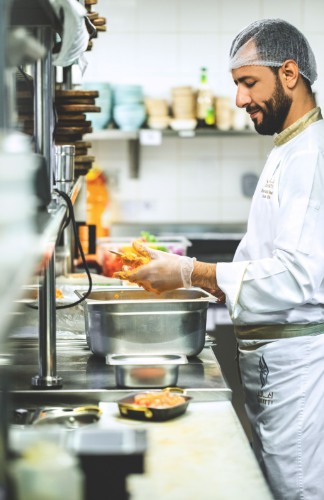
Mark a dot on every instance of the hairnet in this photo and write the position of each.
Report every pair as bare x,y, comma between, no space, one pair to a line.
270,42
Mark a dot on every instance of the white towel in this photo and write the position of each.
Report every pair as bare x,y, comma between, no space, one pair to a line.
75,35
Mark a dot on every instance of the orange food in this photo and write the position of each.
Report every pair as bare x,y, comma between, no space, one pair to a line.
116,296
130,262
58,294
164,399
133,260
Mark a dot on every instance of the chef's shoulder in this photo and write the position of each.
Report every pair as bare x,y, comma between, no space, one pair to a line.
303,163
307,146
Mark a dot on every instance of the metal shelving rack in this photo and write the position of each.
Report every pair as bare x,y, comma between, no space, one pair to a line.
40,19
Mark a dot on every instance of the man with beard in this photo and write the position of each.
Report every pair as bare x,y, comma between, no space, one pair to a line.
274,288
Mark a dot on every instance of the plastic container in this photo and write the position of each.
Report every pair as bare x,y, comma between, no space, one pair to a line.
111,263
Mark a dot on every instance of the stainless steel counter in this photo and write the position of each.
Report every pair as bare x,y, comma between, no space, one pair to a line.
88,380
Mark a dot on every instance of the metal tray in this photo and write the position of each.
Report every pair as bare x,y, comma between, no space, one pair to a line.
146,370
129,409
126,320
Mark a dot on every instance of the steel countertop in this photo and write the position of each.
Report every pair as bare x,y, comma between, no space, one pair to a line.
88,380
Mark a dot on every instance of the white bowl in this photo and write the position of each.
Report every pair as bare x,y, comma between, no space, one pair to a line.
159,123
183,124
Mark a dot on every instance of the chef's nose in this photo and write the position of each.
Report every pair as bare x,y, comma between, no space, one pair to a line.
242,97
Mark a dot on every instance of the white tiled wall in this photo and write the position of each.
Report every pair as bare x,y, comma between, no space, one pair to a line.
164,43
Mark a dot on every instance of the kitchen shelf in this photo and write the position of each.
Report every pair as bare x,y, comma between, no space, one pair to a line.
116,134
134,139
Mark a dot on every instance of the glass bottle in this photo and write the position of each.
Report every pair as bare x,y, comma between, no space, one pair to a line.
205,102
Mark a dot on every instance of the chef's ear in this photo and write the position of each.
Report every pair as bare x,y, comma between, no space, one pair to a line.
290,73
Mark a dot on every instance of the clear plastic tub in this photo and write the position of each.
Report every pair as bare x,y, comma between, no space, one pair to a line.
111,263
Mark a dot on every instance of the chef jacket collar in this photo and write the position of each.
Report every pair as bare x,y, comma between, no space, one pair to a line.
299,126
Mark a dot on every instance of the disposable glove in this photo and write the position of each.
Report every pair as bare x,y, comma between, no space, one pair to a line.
164,272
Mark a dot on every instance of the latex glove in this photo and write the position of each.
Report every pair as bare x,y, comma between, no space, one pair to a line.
164,272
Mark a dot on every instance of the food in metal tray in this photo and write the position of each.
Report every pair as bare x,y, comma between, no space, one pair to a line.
164,399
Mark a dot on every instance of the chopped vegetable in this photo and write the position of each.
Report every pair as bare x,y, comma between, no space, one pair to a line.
116,296
59,294
163,399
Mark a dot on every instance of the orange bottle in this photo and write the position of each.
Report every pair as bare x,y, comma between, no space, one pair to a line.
97,207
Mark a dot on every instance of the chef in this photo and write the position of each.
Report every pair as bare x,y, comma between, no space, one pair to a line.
274,288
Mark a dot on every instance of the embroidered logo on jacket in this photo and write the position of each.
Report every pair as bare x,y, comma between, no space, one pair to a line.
264,371
267,191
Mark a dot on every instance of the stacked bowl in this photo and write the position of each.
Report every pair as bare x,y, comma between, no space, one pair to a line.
183,107
100,120
158,113
129,110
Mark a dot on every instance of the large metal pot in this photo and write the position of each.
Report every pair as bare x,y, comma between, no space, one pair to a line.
126,320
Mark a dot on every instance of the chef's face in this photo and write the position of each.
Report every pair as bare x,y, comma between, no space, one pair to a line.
261,93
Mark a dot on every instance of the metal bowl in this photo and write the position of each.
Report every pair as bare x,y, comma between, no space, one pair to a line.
131,320
146,370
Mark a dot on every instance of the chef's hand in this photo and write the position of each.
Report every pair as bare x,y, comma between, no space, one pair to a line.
164,272
219,294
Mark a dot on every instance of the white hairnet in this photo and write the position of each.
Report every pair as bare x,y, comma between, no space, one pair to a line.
270,42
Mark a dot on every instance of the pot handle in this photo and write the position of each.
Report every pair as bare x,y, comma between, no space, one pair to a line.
124,410
78,294
175,389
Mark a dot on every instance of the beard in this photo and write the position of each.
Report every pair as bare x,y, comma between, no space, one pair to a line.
275,112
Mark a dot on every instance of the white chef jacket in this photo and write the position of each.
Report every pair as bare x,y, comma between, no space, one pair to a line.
277,275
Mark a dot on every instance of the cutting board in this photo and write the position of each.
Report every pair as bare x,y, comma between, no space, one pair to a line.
78,108
76,93
74,100
84,159
73,130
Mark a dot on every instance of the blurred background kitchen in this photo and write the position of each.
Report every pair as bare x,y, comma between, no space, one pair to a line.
162,66
161,45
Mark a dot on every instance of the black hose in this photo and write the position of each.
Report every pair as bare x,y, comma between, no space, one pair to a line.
78,243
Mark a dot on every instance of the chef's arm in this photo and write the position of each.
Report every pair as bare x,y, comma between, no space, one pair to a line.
204,275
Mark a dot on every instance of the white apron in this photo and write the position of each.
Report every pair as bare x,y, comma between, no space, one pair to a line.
284,393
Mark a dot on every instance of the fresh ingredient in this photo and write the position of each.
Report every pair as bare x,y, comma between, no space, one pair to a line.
59,294
147,237
111,264
131,262
116,296
134,260
164,399
150,238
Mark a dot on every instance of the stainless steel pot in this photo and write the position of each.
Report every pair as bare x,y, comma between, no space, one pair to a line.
126,320
146,370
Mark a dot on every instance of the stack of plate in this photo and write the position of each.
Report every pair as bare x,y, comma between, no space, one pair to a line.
183,107
129,110
158,112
